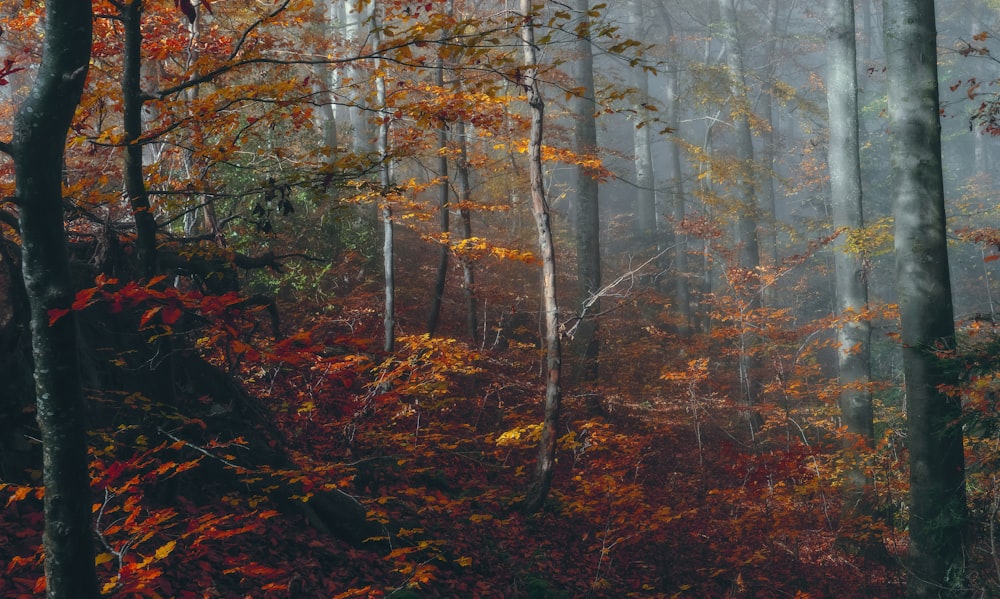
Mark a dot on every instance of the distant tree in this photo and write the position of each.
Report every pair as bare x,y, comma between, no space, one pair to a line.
588,223
674,175
937,510
642,154
746,208
37,147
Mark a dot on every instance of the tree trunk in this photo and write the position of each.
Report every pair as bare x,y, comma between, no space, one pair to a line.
766,175
444,191
746,208
674,176
588,219
385,179
938,510
464,199
132,102
544,468
38,143
854,335
645,210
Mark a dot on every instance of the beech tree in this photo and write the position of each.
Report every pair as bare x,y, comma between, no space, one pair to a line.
37,148
854,334
587,210
937,509
545,465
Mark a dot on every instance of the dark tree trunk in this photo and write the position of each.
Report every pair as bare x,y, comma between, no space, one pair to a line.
444,190
938,510
132,101
37,147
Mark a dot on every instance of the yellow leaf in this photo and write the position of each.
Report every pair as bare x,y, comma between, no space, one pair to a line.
465,562
164,551
103,558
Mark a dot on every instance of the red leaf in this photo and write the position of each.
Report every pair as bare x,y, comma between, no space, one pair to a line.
84,298
991,258
170,314
55,314
147,315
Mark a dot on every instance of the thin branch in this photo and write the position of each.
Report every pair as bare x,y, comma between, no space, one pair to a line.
606,292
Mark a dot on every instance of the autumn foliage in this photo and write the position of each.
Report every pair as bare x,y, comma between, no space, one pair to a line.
290,456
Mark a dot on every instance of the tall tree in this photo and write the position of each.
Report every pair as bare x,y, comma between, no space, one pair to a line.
854,335
385,181
746,208
642,156
938,510
674,175
464,192
37,147
132,103
545,466
444,208
588,223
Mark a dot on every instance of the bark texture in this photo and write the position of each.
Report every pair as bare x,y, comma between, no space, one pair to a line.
545,466
37,147
854,336
938,511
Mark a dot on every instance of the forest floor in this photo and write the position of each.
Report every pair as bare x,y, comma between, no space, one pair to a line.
657,493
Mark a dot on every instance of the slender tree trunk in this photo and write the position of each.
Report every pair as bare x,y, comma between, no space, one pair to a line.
385,179
37,147
854,335
444,193
544,468
354,21
938,510
645,210
747,210
132,102
766,172
465,198
588,218
675,181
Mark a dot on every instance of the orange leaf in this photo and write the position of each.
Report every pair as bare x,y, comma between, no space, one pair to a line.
147,315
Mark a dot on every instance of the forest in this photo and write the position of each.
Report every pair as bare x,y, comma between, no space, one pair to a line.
460,298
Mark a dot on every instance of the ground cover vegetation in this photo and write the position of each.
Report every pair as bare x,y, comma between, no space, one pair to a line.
322,298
